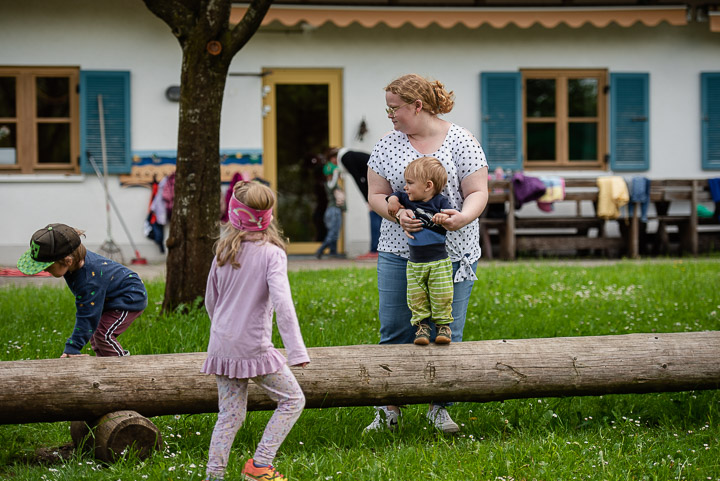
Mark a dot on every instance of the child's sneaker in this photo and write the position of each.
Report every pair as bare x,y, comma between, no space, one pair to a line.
266,473
422,335
444,334
439,417
390,420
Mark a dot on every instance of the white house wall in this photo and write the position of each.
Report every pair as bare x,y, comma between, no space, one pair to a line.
124,35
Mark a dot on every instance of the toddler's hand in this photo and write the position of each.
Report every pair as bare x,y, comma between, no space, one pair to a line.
303,364
439,218
393,206
65,354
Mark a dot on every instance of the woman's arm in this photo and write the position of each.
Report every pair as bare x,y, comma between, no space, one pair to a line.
378,190
475,190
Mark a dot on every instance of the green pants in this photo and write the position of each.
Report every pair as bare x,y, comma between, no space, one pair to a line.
430,291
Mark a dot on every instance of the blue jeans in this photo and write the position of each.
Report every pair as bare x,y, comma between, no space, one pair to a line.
394,313
375,221
333,222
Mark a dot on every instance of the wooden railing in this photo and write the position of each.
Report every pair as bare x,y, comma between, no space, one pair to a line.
576,226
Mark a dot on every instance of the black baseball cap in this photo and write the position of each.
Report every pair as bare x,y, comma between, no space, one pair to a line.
48,245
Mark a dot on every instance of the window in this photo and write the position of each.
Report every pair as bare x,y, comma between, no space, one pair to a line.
39,120
564,118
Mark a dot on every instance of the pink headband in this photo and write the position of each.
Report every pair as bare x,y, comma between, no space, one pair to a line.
246,218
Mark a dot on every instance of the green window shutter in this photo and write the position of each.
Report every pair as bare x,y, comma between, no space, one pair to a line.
114,87
629,114
501,122
710,100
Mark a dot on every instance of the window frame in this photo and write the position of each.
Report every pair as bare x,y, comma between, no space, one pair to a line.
562,120
26,120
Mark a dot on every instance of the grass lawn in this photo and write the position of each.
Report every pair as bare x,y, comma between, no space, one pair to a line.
662,436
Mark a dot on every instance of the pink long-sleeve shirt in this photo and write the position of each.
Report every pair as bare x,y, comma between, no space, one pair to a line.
240,303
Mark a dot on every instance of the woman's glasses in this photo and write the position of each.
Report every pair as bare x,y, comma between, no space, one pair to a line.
391,110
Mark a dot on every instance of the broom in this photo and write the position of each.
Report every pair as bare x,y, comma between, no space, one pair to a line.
109,249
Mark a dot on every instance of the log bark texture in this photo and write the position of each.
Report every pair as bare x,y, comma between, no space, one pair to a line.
85,388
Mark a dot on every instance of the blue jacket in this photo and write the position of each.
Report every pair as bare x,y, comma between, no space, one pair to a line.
428,244
101,285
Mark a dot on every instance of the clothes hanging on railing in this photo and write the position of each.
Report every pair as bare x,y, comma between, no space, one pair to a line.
153,227
639,187
554,191
526,188
612,194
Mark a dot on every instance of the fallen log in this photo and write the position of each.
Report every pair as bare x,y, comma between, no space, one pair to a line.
86,388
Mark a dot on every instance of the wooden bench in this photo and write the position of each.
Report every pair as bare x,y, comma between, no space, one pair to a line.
665,194
547,232
674,214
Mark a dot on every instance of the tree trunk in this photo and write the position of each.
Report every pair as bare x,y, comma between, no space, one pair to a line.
196,211
208,43
84,388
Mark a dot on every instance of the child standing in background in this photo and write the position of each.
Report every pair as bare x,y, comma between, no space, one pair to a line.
335,208
429,270
247,281
108,295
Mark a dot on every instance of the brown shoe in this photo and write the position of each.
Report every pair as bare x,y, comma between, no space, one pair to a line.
422,335
444,334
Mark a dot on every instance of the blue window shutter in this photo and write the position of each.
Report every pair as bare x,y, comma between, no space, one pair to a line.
710,99
501,110
629,121
114,86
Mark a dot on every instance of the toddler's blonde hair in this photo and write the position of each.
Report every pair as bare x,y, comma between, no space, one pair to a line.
428,168
229,245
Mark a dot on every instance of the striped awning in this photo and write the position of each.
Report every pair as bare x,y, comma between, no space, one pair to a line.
499,17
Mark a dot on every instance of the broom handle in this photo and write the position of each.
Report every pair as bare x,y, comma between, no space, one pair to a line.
110,200
101,116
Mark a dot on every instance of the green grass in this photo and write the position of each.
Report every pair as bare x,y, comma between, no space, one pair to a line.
662,436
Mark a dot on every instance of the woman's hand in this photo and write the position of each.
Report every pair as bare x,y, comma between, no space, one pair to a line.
454,220
65,354
408,222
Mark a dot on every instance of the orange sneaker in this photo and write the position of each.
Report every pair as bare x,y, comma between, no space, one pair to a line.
267,473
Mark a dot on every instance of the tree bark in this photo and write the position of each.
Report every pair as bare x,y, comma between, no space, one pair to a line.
83,388
208,43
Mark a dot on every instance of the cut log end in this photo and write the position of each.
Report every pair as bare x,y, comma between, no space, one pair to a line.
116,433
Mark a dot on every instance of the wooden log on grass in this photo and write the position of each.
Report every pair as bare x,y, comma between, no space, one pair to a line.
110,436
85,388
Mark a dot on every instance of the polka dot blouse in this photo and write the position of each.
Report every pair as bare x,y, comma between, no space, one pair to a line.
462,155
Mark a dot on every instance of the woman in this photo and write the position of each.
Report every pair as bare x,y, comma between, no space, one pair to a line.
413,105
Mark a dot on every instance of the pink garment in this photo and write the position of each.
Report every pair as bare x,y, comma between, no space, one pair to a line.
168,194
240,303
244,217
237,177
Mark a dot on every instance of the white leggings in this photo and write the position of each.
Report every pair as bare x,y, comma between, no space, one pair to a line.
282,387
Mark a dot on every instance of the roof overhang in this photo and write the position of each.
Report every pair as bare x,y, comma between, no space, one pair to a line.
497,17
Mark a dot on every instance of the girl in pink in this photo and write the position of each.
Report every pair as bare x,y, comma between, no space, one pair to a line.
247,281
